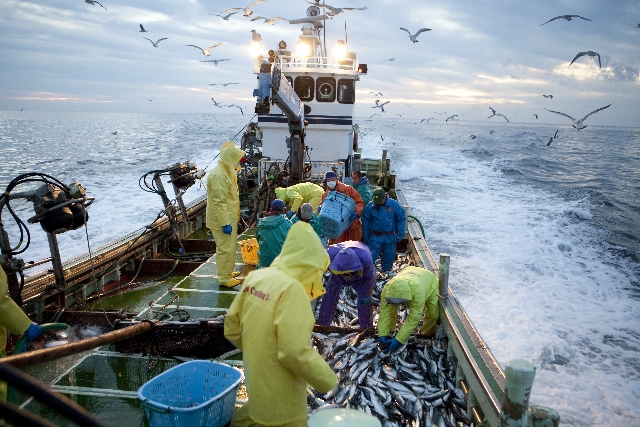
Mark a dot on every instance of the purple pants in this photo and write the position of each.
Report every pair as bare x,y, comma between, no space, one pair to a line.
363,288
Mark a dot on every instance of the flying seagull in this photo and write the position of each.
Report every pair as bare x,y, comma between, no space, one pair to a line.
536,116
222,84
215,61
578,123
150,99
390,60
93,3
216,103
142,30
374,114
497,114
226,17
567,17
247,10
548,96
255,36
472,136
156,43
333,11
430,118
399,115
414,37
380,106
271,21
237,106
638,26
591,53
444,112
555,136
205,52
377,93
451,118
115,133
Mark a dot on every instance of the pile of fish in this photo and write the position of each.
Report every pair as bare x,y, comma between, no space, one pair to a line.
414,386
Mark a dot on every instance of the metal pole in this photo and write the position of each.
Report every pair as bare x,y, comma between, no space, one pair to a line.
444,275
519,376
58,270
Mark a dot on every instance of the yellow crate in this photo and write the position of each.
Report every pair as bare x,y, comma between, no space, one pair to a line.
249,250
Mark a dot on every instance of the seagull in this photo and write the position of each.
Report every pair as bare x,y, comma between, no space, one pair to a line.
496,114
93,3
222,84
390,60
567,17
382,137
451,118
255,36
638,26
216,103
399,115
150,99
142,30
591,53
414,37
380,106
578,123
226,17
215,61
247,10
444,112
271,21
536,116
205,52
237,106
377,93
22,109
115,133
548,96
430,118
156,43
472,136
333,11
552,138
374,114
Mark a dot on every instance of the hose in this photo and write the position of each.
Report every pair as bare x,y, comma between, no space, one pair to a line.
419,223
21,344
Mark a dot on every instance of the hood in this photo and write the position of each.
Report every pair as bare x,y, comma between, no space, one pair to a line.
345,261
398,287
230,155
303,258
281,193
363,181
271,221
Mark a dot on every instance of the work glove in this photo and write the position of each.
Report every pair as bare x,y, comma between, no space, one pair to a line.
384,342
353,216
227,229
393,345
33,331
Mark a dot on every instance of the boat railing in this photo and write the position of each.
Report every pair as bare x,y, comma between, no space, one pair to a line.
316,62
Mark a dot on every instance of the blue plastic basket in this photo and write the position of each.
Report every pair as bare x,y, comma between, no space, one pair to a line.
335,213
196,393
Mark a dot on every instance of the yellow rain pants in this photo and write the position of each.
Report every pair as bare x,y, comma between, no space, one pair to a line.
271,321
296,195
223,205
420,287
12,318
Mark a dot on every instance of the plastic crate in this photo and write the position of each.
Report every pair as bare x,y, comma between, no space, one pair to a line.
335,213
196,393
249,249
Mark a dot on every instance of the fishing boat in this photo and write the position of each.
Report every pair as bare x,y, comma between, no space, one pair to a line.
150,300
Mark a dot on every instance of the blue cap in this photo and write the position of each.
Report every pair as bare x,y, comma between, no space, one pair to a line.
329,174
277,204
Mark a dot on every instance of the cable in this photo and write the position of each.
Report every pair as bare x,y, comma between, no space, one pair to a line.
419,223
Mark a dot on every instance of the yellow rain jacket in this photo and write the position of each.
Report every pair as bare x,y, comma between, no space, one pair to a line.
12,318
296,195
420,287
271,321
223,205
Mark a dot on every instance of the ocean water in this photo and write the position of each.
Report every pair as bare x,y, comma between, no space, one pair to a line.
544,241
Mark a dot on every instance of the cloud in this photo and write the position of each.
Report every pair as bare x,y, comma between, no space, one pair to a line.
621,73
49,96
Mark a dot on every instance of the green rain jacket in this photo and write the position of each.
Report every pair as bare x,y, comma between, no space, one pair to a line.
223,200
296,195
420,287
12,317
271,321
271,233
363,190
315,223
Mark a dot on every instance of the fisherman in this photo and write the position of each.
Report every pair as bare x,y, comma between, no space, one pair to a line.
351,265
296,195
383,223
13,319
418,289
271,321
271,231
223,207
305,213
354,232
361,184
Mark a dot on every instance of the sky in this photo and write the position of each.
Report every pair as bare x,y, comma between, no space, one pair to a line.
71,56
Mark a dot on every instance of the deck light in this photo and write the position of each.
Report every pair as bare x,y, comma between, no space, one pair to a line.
303,49
256,49
341,49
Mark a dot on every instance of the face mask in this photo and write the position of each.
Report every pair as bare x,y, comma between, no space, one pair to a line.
332,184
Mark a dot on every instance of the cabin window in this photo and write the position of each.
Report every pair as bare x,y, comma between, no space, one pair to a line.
289,79
346,91
304,87
326,89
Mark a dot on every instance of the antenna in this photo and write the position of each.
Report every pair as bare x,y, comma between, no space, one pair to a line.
346,36
324,35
